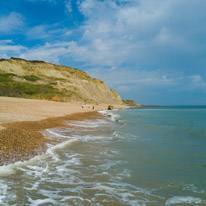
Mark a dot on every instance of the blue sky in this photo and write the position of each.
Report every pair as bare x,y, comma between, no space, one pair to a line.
152,51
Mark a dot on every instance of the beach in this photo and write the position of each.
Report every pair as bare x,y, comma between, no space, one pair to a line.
22,122
137,156
19,109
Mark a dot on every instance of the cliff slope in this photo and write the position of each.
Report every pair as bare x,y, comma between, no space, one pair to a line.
41,80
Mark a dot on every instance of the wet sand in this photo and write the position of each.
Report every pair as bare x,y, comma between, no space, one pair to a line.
23,120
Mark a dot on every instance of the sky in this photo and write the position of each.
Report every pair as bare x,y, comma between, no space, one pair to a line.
151,51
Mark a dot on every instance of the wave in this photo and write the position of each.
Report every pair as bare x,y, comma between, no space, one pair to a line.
89,168
52,132
87,124
184,199
113,117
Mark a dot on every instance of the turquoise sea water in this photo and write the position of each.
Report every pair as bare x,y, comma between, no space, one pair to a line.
139,156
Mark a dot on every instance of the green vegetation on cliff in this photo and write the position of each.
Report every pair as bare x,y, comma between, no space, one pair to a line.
10,87
128,102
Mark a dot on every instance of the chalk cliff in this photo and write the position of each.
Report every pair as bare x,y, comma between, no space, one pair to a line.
38,79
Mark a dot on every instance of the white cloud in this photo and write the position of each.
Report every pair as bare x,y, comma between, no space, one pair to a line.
6,41
113,33
11,48
125,80
68,6
38,32
49,52
196,78
124,88
8,49
48,32
98,52
116,32
12,22
68,33
198,82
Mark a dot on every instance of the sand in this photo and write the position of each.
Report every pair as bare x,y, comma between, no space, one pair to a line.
18,109
22,122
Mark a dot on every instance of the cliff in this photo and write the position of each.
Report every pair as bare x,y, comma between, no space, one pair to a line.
41,80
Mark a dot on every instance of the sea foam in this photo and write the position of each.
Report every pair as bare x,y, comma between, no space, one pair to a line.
182,199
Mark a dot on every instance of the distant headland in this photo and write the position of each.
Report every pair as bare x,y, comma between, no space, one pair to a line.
131,103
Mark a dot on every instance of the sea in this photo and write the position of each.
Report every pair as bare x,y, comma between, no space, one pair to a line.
148,156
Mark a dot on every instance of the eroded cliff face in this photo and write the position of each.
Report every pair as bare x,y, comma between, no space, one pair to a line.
68,84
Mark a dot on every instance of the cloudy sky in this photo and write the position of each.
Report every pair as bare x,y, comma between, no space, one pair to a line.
152,51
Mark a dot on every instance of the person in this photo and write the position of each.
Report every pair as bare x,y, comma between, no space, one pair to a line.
93,107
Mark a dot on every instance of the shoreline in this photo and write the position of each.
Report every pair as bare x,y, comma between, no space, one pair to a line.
18,109
22,122
21,141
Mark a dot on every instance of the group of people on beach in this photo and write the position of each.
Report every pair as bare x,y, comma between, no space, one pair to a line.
89,106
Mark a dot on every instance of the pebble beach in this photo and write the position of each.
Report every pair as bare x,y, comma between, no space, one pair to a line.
22,122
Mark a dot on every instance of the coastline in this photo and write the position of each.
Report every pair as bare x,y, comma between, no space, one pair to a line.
22,122
19,109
